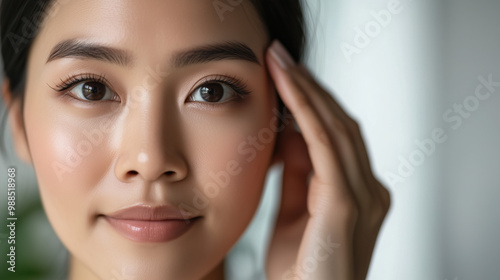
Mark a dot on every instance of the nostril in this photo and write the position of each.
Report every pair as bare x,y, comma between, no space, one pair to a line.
169,173
133,172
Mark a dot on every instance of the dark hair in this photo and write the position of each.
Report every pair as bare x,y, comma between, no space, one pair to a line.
20,22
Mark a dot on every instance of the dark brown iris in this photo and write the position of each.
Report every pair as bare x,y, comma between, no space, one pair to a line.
93,90
212,92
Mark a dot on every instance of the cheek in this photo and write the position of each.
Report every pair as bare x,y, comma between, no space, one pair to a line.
69,157
230,161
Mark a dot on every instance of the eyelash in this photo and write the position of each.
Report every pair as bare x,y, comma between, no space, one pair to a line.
72,81
239,87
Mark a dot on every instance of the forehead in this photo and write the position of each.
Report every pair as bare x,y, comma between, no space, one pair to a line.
152,28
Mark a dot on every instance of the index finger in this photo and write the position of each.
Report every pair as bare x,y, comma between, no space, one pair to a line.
321,148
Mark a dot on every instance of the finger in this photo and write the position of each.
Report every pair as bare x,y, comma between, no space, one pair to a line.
372,197
344,130
369,194
326,165
356,137
327,102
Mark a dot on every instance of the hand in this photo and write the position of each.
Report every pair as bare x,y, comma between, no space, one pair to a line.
332,205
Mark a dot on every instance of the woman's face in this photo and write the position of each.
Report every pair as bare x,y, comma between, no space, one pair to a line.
175,111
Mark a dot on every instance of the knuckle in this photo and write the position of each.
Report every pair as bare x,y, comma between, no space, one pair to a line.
355,126
378,214
373,218
323,137
374,210
338,125
386,195
343,208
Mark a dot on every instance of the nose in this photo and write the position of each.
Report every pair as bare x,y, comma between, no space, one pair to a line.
151,145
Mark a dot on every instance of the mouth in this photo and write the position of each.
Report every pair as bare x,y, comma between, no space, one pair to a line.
151,224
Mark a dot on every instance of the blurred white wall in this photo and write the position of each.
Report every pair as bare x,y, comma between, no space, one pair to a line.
381,60
469,218
413,69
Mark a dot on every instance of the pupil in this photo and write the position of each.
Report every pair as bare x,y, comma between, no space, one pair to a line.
94,90
212,92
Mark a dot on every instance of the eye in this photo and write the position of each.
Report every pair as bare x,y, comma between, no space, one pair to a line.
92,91
213,92
86,87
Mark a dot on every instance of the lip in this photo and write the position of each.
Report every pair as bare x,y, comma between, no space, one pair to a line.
151,224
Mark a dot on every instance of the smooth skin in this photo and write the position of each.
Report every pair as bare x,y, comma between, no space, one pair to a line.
157,146
341,204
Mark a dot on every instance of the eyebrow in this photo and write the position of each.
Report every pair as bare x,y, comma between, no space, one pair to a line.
215,52
86,50
203,54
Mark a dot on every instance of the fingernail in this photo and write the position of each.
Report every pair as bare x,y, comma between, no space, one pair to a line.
281,55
